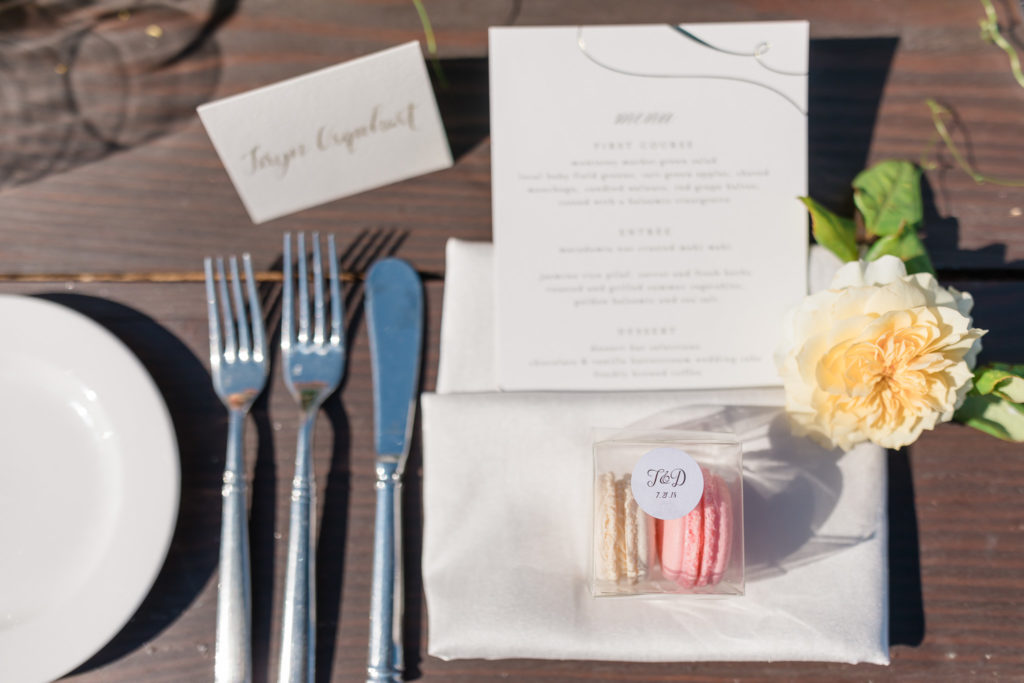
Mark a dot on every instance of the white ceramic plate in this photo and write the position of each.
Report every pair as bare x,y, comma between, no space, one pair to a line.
89,487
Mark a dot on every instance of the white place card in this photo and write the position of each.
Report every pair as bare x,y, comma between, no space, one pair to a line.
646,226
329,134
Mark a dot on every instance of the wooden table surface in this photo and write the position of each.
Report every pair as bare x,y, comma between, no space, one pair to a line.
123,180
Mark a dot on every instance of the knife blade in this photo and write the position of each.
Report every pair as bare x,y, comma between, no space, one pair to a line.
394,313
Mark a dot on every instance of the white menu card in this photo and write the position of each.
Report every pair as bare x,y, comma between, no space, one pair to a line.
646,226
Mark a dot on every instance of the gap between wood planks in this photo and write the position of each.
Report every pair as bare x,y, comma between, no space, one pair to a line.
183,276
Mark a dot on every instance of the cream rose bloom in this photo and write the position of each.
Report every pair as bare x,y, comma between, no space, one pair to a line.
879,356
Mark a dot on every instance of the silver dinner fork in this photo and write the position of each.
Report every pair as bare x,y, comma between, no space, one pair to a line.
239,364
313,361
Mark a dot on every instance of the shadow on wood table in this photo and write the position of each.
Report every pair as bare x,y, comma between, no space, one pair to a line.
906,607
845,84
942,236
79,85
462,94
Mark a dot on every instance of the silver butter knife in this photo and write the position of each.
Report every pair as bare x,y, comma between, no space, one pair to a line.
394,313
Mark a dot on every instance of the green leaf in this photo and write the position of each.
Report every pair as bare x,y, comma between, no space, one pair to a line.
832,231
1001,380
993,415
888,245
906,245
888,196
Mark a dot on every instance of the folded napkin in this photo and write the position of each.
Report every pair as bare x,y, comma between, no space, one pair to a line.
507,503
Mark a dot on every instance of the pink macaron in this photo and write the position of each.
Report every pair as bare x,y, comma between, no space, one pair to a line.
695,549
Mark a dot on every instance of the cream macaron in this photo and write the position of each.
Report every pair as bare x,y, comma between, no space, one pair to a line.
624,534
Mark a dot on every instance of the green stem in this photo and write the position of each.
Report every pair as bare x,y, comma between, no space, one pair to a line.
428,32
938,112
991,33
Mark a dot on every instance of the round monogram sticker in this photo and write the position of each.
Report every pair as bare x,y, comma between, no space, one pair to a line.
667,483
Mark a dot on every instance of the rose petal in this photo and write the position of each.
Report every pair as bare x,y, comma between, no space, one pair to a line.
884,270
850,275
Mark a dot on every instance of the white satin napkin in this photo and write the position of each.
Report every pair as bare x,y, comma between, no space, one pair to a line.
507,503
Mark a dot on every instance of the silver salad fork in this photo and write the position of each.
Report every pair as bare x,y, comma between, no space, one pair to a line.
313,363
239,365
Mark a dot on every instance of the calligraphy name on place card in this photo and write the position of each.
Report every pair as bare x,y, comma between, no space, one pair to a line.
329,138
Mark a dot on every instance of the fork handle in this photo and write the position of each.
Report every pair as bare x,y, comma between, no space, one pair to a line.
386,597
233,659
298,639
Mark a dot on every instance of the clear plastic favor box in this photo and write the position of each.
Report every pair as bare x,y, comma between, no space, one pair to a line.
668,513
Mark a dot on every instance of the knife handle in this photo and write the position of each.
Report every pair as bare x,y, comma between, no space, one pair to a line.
385,658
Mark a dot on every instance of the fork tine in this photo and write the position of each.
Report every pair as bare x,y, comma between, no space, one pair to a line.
230,346
212,313
244,348
318,292
336,301
303,290
287,295
259,345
